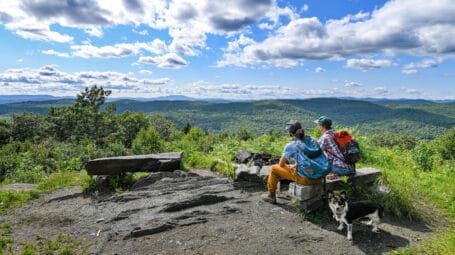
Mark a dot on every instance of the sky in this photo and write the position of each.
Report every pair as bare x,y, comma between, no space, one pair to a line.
237,49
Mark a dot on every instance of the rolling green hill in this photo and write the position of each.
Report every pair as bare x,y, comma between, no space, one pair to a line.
425,120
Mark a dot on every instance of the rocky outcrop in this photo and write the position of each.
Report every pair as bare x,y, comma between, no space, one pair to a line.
253,167
183,213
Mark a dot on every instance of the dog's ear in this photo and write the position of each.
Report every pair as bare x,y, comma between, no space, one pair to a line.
329,194
343,194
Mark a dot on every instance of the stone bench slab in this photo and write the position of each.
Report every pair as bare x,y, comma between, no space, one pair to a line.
307,192
162,162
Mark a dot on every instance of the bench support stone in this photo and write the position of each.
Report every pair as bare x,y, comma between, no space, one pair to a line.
310,194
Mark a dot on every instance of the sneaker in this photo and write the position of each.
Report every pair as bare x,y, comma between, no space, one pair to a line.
268,197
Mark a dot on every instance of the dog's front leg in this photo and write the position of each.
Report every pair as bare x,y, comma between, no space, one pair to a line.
340,227
349,232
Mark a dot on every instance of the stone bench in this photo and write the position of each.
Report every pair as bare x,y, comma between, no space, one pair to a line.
161,162
310,195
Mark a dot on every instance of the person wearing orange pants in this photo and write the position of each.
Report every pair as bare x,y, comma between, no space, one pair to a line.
278,173
285,171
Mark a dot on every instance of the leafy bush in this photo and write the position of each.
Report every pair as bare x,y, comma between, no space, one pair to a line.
147,141
129,124
445,145
423,156
390,140
244,134
163,126
5,131
28,126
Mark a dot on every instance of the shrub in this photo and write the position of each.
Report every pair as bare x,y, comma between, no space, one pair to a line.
244,134
163,126
129,124
147,141
28,126
400,140
5,131
423,156
445,145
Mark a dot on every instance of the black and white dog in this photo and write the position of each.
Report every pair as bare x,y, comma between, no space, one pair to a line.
345,212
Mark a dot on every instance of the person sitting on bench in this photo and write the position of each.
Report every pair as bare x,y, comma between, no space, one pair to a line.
332,151
284,170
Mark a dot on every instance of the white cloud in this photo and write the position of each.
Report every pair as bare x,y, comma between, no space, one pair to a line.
156,46
426,63
19,60
49,79
319,69
55,53
351,84
400,26
305,7
412,67
39,32
409,71
145,72
381,91
365,64
169,60
411,91
94,31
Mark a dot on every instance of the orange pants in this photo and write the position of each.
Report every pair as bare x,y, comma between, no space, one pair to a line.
278,173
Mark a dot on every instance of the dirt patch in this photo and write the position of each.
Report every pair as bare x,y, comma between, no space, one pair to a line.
182,213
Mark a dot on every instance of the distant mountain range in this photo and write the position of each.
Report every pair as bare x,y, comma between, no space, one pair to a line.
4,99
422,118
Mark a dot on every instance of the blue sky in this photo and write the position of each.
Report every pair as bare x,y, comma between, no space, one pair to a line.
247,49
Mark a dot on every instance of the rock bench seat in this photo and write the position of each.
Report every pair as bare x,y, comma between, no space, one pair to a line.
310,195
160,162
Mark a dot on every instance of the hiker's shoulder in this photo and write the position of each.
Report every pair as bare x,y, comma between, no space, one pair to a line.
293,142
326,134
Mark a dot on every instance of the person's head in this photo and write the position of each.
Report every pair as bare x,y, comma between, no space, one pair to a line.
295,130
324,123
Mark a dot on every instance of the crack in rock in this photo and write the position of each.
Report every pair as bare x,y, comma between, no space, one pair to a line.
150,231
127,213
198,201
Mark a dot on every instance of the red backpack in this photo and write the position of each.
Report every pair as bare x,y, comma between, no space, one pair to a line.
348,146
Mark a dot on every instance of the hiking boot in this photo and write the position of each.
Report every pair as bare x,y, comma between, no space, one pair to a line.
269,197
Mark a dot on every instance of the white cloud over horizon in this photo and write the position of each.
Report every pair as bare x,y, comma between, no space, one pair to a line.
50,80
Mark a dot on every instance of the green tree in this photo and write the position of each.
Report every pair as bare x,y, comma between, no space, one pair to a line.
28,126
445,145
244,134
5,131
187,127
163,126
400,140
423,156
84,119
147,141
129,124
